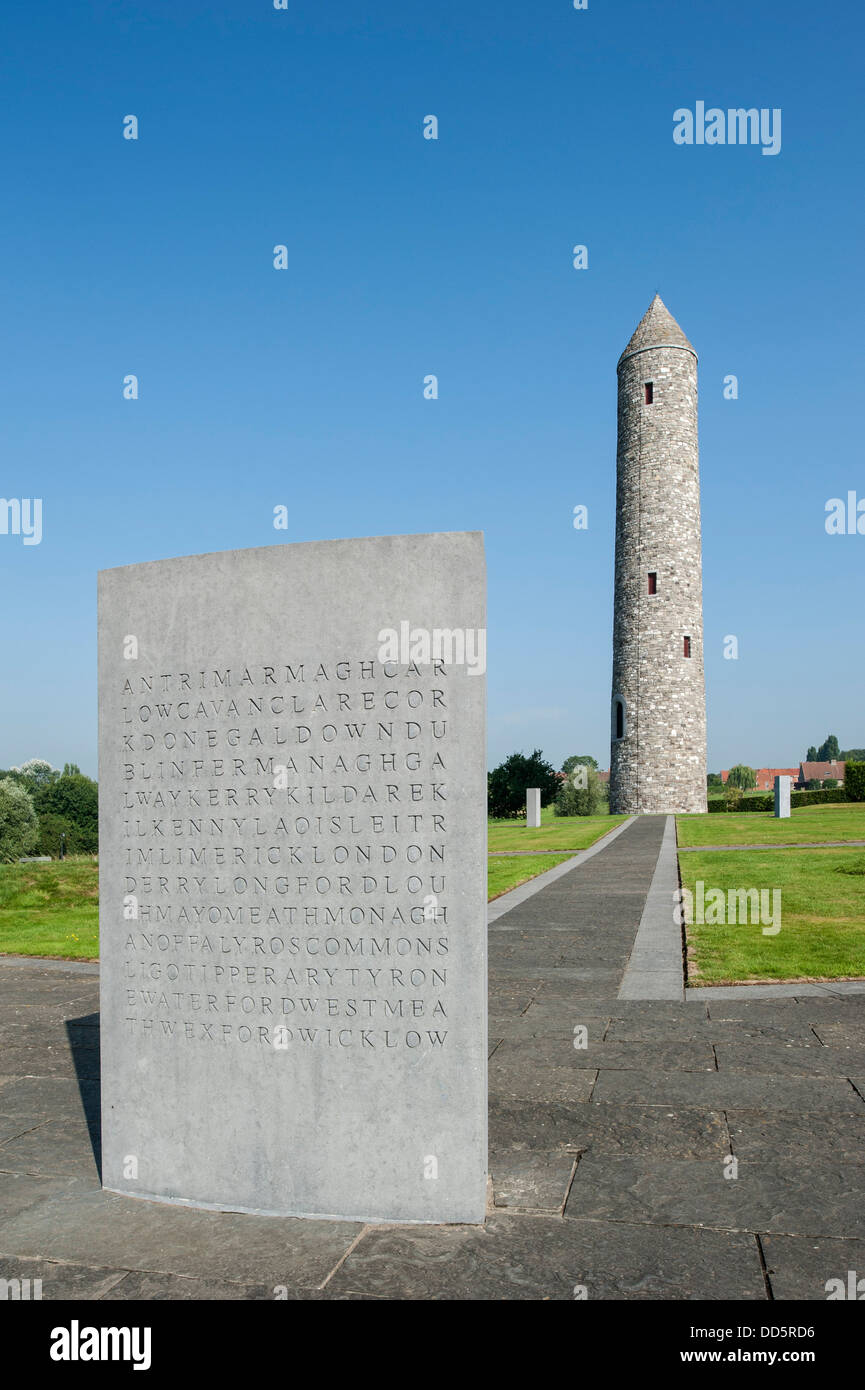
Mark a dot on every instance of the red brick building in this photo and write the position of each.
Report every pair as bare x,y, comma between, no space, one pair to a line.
766,776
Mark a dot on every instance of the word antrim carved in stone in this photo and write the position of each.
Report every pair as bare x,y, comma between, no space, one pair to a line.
287,1021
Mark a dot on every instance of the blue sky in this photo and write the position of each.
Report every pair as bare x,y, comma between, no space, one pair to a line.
408,257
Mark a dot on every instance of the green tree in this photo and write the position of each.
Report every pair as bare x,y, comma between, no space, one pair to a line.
828,750
70,807
830,782
36,773
733,796
811,755
570,763
714,779
573,799
507,784
56,832
742,776
19,826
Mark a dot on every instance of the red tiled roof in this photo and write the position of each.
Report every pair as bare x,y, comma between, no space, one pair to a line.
818,772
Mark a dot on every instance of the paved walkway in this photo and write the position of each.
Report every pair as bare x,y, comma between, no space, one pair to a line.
611,1169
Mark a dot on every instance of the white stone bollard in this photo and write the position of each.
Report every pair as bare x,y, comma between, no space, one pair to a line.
782,797
533,808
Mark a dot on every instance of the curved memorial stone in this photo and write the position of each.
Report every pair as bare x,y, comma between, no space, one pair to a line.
293,879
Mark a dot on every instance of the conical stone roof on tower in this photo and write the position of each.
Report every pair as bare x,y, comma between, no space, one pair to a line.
657,328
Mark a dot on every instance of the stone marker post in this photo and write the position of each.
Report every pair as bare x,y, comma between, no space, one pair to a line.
293,879
533,807
782,796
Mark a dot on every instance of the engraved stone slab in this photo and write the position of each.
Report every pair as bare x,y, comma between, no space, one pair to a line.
293,879
533,807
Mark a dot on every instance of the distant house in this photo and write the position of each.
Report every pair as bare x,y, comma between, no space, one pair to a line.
820,772
604,774
766,776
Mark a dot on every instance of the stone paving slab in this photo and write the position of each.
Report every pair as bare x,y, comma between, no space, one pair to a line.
511,1078
652,1132
838,1034
790,1059
606,1056
655,966
14,1126
770,1013
782,1134
783,1196
81,1224
547,1127
656,983
801,989
692,1029
515,1257
49,1096
23,1030
714,1090
144,1285
606,1129
22,1192
526,1180
799,1267
539,1022
51,1060
62,1281
69,1282
51,1147
47,966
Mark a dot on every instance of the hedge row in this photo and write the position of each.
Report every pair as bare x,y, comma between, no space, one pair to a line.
820,795
854,781
852,791
748,803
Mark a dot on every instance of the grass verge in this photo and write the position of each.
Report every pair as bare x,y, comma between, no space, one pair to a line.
50,909
505,874
822,918
829,822
556,832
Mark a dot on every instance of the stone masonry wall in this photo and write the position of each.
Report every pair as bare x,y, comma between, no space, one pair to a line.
660,763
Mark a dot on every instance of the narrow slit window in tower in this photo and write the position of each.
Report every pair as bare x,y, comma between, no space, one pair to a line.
687,646
620,719
653,582
650,392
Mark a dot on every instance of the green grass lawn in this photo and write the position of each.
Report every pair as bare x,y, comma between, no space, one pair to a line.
556,832
834,821
50,909
505,874
822,934
53,909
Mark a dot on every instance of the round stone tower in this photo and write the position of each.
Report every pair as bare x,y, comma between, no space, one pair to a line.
658,734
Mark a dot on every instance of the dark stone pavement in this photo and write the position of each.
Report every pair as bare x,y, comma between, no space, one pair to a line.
610,1163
